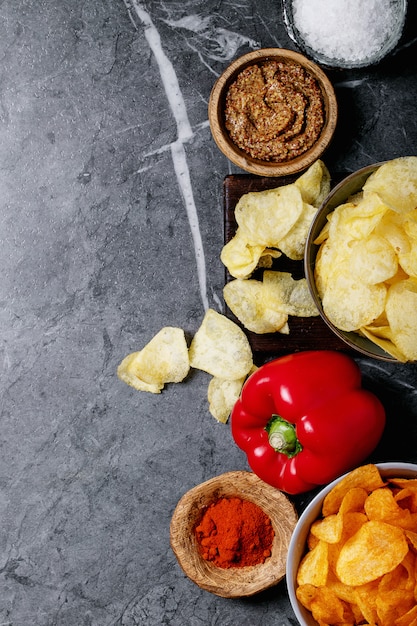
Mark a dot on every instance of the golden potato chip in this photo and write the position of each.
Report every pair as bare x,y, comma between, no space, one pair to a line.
366,596
356,219
222,395
408,619
314,183
294,242
381,336
362,303
328,529
408,257
381,505
395,594
290,295
163,360
252,304
327,608
373,260
376,549
242,258
267,216
391,227
396,183
365,477
401,311
220,348
314,566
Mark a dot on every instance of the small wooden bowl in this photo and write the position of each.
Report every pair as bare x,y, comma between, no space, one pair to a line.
233,582
216,114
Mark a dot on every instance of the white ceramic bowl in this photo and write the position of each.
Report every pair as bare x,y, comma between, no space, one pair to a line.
297,547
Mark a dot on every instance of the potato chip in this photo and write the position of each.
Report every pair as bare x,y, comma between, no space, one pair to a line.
376,549
362,303
408,619
314,183
373,260
365,477
222,395
395,594
327,608
396,183
290,295
314,566
242,258
382,338
294,242
253,305
163,360
401,311
381,505
220,348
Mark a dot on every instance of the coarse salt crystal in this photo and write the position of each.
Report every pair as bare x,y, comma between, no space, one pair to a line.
348,30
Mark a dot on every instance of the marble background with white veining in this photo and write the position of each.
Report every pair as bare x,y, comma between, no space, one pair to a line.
111,225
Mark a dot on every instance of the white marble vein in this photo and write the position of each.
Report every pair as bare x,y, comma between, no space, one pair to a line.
184,134
214,43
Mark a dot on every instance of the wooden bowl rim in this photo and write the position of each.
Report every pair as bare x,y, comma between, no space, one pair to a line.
238,581
239,157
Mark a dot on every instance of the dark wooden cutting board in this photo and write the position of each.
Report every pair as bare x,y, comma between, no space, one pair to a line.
306,333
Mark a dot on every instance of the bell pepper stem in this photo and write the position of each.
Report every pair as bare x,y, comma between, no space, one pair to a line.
282,436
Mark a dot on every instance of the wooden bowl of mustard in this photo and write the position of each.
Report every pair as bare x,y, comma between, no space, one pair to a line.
210,563
273,112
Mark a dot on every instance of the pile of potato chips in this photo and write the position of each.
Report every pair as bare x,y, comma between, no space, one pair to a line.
219,348
271,223
361,564
366,267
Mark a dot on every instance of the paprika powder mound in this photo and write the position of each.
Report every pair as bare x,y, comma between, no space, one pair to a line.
234,532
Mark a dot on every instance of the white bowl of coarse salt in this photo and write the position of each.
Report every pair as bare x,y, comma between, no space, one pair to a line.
345,33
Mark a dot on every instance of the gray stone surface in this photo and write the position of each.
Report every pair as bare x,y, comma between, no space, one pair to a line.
111,227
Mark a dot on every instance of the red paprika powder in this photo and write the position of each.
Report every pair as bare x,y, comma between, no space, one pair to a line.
234,533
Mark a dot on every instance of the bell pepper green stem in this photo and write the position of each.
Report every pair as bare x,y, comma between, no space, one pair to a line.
282,436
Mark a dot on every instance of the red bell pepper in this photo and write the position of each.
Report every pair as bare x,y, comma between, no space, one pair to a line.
304,419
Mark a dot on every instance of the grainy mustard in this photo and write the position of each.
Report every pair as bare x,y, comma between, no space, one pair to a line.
274,110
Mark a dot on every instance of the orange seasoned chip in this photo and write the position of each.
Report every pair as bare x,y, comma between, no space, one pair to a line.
376,549
366,596
314,566
366,477
324,604
408,619
381,505
395,597
328,529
